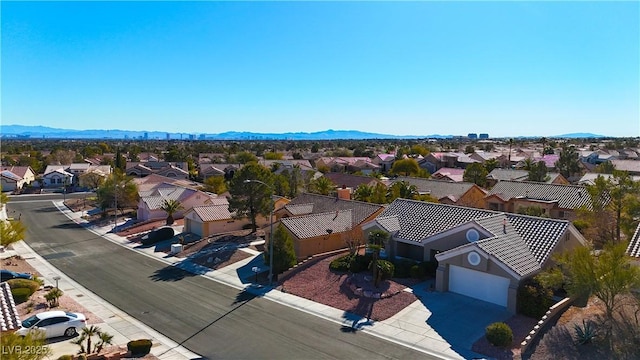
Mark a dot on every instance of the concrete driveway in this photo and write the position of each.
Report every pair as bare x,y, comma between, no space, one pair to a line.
460,320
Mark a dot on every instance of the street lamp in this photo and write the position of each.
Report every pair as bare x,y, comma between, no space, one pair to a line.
273,205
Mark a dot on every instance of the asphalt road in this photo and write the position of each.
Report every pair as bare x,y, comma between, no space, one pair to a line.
206,317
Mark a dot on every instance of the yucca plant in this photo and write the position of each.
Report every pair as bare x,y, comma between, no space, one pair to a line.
586,332
52,297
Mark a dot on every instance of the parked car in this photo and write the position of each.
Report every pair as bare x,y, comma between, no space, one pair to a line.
8,275
54,323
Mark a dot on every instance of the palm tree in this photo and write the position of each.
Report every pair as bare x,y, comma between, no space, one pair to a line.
363,193
89,332
322,185
105,339
171,206
510,144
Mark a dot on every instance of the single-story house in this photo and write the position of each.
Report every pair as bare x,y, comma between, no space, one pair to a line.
449,174
320,210
384,161
480,253
150,203
57,176
207,220
521,175
556,201
16,177
447,192
177,170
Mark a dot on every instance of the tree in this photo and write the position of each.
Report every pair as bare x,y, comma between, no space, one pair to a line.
87,334
621,187
406,167
251,198
402,189
363,193
322,185
596,222
377,241
245,157
476,173
281,185
510,145
91,180
34,341
215,184
532,211
606,275
118,189
605,168
379,195
538,172
171,206
11,231
569,163
491,164
469,149
284,254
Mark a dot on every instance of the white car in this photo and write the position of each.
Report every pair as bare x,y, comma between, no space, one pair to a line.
53,324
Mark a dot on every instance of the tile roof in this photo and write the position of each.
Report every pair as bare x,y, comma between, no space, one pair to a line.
508,174
21,171
349,180
320,204
634,245
10,319
590,178
308,226
526,245
213,212
436,188
632,166
299,209
567,196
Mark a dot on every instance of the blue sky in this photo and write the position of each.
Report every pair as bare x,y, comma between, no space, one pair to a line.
407,68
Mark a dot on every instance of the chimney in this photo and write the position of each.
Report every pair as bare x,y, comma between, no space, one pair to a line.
504,226
344,193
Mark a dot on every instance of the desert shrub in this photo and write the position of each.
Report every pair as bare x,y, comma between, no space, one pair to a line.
139,347
360,263
155,236
499,334
533,299
33,285
403,268
586,332
52,297
386,268
21,295
341,264
418,271
65,357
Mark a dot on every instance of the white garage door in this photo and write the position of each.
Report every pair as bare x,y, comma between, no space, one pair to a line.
479,285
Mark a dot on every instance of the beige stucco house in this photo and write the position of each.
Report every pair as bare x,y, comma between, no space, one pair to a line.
480,253
16,177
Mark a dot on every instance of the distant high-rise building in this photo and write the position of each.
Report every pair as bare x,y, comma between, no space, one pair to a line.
484,136
146,136
202,137
192,137
472,136
168,136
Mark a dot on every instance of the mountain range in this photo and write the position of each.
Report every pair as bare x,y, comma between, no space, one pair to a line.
43,132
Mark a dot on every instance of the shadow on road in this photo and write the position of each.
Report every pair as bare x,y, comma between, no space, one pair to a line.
171,273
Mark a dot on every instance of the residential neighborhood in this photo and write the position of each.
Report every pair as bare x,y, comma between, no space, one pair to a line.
481,220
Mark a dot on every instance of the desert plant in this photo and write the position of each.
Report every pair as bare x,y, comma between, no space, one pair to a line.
88,332
21,295
24,283
139,347
586,332
105,339
341,264
15,346
52,297
65,357
418,271
534,300
499,334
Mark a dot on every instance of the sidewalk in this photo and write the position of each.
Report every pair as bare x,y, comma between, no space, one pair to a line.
408,327
115,322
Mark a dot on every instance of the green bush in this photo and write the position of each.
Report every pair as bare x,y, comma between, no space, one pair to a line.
33,285
360,263
403,268
534,300
21,295
387,268
342,263
499,334
139,347
418,271
65,357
